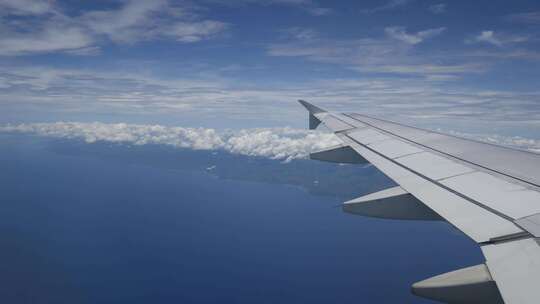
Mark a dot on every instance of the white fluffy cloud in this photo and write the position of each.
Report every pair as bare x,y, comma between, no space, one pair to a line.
275,143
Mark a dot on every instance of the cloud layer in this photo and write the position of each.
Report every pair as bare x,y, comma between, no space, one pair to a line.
276,143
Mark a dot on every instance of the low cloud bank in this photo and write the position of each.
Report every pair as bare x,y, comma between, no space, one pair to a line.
276,143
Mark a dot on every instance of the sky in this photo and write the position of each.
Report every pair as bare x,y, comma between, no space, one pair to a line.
460,65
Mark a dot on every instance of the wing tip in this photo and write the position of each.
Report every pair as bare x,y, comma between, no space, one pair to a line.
310,107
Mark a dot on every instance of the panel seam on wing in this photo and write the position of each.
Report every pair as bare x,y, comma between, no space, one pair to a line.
479,204
515,178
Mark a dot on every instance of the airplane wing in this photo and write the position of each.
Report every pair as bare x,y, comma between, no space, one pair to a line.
490,193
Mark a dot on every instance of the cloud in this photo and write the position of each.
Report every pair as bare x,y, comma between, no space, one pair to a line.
502,53
489,37
399,33
394,53
52,38
319,11
25,7
85,51
299,33
428,69
365,51
390,5
195,31
397,53
497,39
438,8
129,23
310,6
276,143
222,101
51,30
530,17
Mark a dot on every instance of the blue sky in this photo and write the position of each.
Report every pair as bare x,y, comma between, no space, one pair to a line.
243,63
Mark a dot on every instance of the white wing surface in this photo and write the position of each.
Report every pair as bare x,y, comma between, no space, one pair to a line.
490,193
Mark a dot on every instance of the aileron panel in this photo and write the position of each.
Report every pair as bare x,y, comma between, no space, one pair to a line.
433,166
368,136
395,148
475,221
508,198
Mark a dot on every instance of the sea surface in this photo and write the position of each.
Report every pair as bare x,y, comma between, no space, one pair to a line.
113,223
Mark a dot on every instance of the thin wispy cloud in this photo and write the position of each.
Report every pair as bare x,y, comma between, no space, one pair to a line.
310,6
25,7
51,30
497,39
390,5
489,37
438,8
300,33
84,51
129,23
393,53
83,92
195,31
400,33
52,38
528,17
429,69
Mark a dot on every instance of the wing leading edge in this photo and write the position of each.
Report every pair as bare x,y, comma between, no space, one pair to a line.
490,193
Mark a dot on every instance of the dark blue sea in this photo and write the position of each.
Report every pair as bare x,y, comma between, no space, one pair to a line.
113,223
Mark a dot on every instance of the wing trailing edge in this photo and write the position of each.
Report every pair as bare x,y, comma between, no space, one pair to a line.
339,154
393,203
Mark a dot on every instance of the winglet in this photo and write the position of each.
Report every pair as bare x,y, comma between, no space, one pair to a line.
311,108
313,120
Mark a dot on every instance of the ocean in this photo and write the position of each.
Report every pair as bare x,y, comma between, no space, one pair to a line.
116,223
